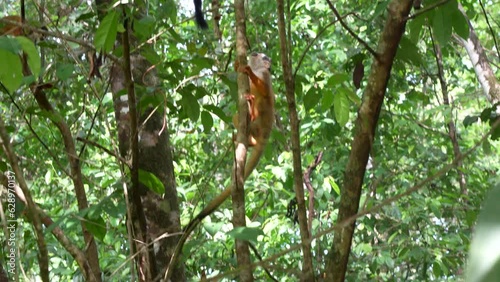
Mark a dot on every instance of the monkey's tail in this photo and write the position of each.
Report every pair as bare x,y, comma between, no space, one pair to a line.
212,206
252,162
254,159
198,15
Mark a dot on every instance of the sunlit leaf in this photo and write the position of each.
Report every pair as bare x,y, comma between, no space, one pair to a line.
12,76
341,107
150,180
105,35
484,255
246,233
33,58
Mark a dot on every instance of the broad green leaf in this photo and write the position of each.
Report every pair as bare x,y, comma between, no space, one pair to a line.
150,180
246,233
351,95
415,27
207,121
190,106
311,98
337,79
65,71
10,44
484,254
380,7
96,226
151,56
327,100
105,35
231,83
33,57
218,112
212,227
470,120
442,25
3,165
408,52
86,16
12,76
495,135
200,63
341,108
460,25
334,185
144,27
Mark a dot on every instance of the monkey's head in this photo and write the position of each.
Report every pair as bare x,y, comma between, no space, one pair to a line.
259,60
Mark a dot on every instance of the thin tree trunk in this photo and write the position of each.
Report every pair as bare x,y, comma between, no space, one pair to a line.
307,269
238,193
452,129
364,133
480,62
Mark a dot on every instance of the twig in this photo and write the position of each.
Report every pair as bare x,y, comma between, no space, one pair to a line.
349,30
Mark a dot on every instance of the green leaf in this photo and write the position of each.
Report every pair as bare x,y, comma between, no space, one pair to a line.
460,24
470,120
190,106
487,147
495,135
29,49
96,226
484,254
337,79
65,71
105,35
415,27
246,233
334,185
10,44
441,25
150,180
207,121
351,95
311,98
408,52
12,76
213,227
218,112
341,107
144,27
381,7
230,81
327,100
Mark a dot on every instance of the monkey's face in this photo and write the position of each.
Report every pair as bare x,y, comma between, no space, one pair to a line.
259,60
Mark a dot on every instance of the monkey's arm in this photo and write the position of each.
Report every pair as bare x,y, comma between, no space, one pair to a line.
259,83
251,106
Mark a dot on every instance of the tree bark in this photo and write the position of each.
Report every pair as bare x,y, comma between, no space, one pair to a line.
364,133
305,235
238,193
480,62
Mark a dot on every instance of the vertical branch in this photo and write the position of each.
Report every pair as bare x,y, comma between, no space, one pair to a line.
32,213
364,134
452,129
146,262
308,273
238,194
94,270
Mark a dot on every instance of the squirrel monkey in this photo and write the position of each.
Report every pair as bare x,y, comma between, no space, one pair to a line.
261,110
